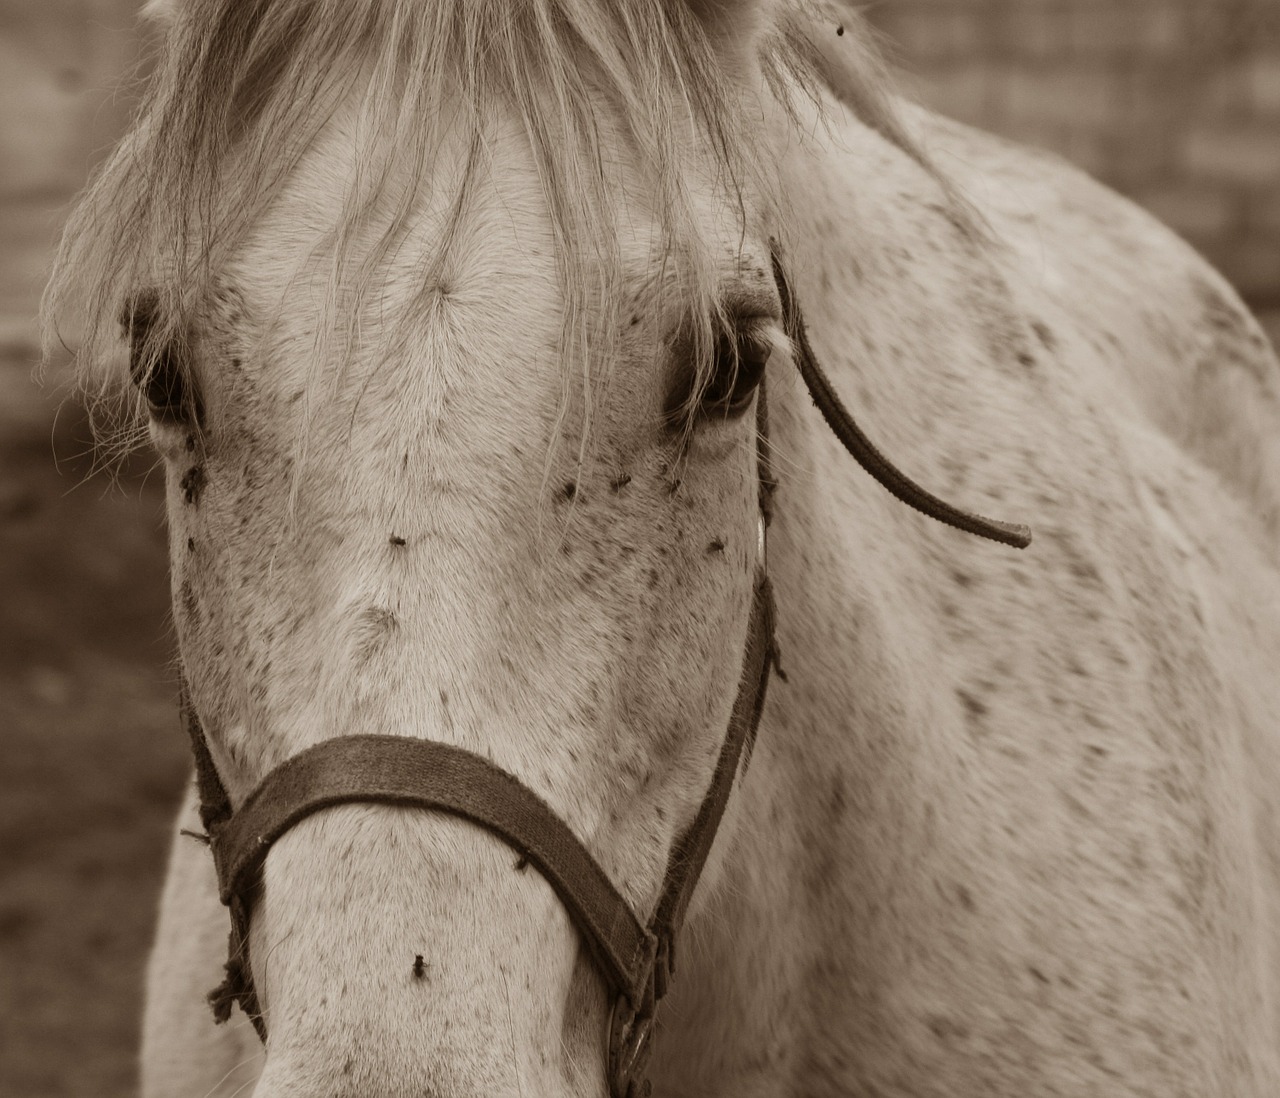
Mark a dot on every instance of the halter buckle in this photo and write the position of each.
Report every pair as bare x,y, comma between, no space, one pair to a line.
631,1029
630,1038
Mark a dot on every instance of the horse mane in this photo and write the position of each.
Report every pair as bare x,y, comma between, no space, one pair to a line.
244,87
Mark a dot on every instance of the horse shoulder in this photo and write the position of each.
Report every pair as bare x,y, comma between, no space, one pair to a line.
1182,376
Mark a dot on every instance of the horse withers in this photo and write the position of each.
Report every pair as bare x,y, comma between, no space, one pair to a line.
451,322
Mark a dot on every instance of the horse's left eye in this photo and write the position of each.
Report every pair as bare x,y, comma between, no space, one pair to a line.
162,383
740,359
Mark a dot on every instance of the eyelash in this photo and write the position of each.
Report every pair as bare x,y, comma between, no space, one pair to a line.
740,361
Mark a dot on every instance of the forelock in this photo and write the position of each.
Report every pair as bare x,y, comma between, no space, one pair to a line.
243,87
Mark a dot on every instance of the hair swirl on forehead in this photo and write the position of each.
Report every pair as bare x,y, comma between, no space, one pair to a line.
242,89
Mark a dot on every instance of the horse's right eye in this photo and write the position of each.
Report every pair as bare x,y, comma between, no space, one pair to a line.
157,368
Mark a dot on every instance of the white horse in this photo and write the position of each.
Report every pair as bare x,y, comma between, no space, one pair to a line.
429,301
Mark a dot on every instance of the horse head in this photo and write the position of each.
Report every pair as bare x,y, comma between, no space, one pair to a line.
448,323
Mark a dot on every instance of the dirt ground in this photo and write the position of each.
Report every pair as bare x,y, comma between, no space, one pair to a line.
92,761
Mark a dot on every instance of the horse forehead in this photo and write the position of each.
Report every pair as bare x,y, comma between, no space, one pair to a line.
489,221
467,285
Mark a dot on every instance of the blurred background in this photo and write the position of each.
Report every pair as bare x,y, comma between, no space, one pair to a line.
1174,102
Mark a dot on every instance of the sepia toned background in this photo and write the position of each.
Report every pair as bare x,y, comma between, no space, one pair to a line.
1174,102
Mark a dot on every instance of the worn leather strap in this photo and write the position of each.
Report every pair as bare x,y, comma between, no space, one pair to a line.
413,773
630,1030
690,853
425,774
862,449
686,861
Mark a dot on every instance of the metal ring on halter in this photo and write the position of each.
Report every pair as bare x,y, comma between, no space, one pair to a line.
628,1051
761,555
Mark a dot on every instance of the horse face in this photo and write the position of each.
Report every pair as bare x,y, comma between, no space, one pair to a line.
428,525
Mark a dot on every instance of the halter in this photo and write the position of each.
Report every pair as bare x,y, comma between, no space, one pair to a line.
636,959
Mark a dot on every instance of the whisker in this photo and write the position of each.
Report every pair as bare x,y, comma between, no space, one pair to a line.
241,1088
267,956
261,1052
511,1033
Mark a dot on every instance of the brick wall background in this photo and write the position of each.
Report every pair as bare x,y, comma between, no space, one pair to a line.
1176,103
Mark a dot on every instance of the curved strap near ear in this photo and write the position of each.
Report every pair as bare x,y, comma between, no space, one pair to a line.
863,449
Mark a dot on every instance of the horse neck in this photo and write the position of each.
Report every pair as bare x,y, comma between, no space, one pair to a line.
853,730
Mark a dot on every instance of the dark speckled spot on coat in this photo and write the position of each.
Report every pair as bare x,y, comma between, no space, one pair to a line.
1086,572
947,1029
192,484
1236,341
1045,335
374,626
839,801
974,707
190,605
